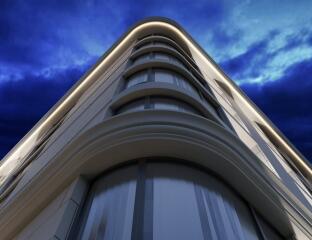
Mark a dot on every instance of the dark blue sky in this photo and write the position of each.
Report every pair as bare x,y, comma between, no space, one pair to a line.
264,46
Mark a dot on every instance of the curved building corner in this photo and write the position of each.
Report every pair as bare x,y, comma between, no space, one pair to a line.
155,142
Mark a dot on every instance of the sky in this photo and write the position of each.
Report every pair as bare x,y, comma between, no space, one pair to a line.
264,46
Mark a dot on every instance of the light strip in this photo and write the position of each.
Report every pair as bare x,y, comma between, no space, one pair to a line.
302,162
111,55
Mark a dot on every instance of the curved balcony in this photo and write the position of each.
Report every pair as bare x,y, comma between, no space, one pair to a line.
167,41
164,89
176,51
177,68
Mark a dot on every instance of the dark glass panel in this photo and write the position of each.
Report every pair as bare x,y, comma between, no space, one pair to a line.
137,78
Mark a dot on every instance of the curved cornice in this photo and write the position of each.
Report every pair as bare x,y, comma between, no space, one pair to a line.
150,134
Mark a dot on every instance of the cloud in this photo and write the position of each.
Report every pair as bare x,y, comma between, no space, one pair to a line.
287,102
24,102
250,63
44,34
47,44
267,59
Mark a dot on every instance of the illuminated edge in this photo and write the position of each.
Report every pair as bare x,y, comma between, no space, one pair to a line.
6,160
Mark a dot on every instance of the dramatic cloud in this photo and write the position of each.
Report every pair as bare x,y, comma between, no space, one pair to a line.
45,46
24,101
247,64
287,102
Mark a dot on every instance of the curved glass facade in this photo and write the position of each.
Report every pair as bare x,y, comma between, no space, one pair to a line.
157,102
165,201
165,43
158,56
141,58
168,76
137,78
161,75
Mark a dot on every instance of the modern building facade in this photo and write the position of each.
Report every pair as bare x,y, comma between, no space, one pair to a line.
155,142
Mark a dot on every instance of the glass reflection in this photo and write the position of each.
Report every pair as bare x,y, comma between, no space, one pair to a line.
158,103
110,209
162,75
165,201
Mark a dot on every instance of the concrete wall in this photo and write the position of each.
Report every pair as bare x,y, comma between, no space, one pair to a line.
56,219
91,109
244,121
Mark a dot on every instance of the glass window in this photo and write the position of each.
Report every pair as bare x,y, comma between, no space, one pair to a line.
165,201
162,75
110,209
137,78
136,105
175,212
178,62
160,103
168,57
162,56
165,104
185,84
189,204
141,58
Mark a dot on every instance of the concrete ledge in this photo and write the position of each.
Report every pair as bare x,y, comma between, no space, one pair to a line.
149,134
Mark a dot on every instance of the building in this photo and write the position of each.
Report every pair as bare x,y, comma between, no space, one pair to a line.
155,142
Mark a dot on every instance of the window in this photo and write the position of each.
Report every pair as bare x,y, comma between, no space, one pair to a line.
159,43
136,105
159,103
173,46
185,84
110,210
158,56
142,58
162,103
163,201
169,58
162,56
161,75
137,78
